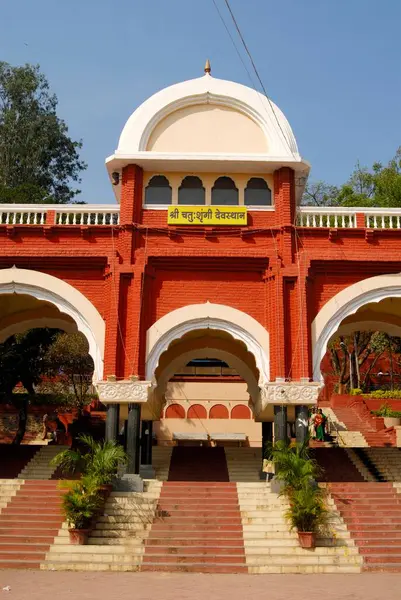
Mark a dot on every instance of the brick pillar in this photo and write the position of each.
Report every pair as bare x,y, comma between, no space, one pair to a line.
131,195
284,200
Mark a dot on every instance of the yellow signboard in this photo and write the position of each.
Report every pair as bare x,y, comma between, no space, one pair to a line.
207,215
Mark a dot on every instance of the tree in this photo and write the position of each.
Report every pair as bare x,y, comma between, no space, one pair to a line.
70,367
378,186
319,193
38,159
22,360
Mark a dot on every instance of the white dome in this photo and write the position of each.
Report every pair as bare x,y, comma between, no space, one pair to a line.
265,120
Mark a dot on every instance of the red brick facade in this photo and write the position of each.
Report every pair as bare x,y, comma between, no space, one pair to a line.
138,271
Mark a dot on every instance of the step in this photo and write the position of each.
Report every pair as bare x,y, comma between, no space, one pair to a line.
186,558
192,551
19,564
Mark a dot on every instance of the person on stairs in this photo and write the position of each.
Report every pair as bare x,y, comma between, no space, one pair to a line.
320,422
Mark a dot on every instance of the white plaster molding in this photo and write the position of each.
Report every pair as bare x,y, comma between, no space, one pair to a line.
208,90
192,317
123,392
67,299
344,304
289,393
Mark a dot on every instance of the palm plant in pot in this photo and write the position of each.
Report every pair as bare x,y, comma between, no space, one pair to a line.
99,460
307,513
80,504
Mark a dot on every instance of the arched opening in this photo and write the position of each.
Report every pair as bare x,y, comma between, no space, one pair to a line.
224,192
257,193
191,191
158,191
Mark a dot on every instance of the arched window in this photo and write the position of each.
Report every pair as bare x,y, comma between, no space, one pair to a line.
191,191
224,192
257,193
158,190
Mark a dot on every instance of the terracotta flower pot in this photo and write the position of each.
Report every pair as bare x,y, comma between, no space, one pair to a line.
106,490
307,539
79,537
392,421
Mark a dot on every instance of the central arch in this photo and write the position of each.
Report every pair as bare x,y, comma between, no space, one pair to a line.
218,317
72,309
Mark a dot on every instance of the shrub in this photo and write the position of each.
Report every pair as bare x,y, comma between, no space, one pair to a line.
80,503
307,511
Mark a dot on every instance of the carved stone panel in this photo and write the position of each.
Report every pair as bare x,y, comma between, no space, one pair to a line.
123,392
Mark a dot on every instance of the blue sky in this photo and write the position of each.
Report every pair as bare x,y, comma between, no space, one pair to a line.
333,67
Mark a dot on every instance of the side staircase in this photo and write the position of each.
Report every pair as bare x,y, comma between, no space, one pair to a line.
29,522
116,542
271,548
39,466
360,422
372,513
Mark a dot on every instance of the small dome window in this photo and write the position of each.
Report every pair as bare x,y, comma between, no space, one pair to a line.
224,192
257,193
191,191
158,190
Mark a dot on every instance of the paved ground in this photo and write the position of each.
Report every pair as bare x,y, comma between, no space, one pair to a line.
39,585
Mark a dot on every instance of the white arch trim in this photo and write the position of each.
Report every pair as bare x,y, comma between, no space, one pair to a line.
209,90
345,303
239,365
67,299
238,324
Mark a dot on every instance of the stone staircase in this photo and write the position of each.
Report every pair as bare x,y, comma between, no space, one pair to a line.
359,465
39,466
244,464
116,542
161,458
362,424
28,523
387,462
372,513
271,548
199,530
336,465
8,489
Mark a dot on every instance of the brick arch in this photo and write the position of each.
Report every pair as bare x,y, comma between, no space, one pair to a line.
241,326
197,411
175,411
240,412
67,299
219,411
347,302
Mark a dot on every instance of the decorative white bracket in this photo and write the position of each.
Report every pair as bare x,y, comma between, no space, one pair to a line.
290,393
126,391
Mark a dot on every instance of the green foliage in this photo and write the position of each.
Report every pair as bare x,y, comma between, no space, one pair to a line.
355,392
293,465
70,367
98,460
307,510
379,186
384,394
81,502
38,159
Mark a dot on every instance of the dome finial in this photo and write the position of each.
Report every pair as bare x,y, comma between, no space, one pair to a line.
208,68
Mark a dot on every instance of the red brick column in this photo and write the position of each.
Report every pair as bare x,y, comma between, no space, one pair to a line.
284,195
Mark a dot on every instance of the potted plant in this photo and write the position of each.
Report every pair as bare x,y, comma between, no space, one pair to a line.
99,460
390,418
80,504
293,467
307,514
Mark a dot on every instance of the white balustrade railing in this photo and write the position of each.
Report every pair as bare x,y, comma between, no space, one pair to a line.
328,216
22,214
382,218
88,214
66,214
